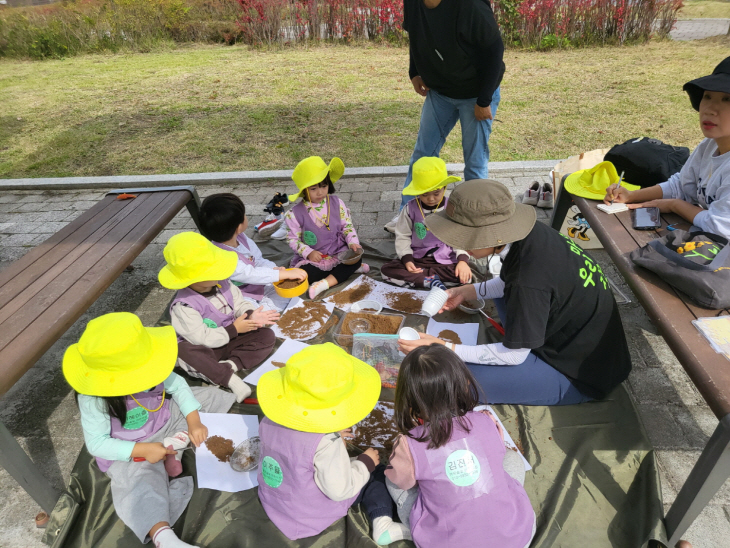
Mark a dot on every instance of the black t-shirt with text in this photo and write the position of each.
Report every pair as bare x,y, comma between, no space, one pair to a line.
561,307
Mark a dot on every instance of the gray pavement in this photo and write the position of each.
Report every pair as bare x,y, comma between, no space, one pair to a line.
41,413
698,29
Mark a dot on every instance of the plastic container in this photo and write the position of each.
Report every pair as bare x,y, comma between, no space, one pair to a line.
367,306
436,298
245,457
345,340
464,307
350,256
292,291
408,334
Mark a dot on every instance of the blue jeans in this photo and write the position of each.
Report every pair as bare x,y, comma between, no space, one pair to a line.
533,382
438,117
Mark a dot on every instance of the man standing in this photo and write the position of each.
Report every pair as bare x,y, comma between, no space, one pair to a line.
456,63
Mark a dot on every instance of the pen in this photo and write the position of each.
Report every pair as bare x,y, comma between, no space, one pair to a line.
619,186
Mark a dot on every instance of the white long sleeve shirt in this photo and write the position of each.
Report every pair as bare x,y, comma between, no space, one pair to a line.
260,273
704,181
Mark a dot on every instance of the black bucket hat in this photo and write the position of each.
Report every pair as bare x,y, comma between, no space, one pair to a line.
719,80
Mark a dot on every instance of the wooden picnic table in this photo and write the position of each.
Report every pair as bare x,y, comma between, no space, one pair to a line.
672,312
44,292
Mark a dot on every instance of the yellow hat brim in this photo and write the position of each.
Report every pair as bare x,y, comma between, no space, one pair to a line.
572,185
336,170
222,268
281,409
95,382
415,190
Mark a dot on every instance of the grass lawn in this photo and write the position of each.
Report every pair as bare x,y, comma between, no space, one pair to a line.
231,108
705,9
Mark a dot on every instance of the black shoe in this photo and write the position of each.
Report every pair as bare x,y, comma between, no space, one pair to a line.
277,203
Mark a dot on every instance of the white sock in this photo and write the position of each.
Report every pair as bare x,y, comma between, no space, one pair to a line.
364,269
318,287
239,388
385,531
166,538
178,441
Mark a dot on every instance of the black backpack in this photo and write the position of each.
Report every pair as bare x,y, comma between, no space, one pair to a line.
647,162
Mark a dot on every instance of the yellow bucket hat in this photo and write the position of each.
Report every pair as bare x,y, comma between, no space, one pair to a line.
191,258
117,356
429,173
312,171
592,183
322,389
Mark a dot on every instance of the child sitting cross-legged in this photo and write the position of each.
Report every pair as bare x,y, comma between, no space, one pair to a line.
306,479
223,221
320,227
421,255
219,332
134,407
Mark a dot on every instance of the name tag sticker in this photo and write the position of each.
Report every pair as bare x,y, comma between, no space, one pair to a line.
462,468
271,472
136,418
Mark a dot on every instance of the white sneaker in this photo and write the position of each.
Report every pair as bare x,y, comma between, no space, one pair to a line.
545,200
390,225
269,224
532,194
281,232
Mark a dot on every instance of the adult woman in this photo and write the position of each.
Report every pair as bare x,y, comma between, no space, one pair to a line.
564,342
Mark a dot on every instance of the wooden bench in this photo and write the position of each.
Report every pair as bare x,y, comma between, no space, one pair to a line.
672,312
43,293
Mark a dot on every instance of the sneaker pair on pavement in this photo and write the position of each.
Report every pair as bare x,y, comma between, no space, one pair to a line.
539,195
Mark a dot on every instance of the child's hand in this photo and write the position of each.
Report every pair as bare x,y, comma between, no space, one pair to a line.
243,325
463,272
411,267
279,268
293,274
152,452
314,256
355,247
373,454
346,434
616,193
264,317
426,339
197,431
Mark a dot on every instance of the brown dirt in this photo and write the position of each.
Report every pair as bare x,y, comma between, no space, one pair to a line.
288,284
404,302
376,430
278,364
353,294
450,336
382,324
299,322
474,305
221,447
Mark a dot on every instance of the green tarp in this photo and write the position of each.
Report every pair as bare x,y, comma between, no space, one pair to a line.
594,481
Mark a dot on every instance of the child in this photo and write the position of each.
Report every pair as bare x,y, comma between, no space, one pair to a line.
320,226
306,479
456,457
219,332
700,192
223,221
421,255
133,406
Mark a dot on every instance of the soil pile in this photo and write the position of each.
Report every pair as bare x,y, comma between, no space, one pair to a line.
450,336
353,294
221,447
377,429
404,302
382,324
302,321
288,284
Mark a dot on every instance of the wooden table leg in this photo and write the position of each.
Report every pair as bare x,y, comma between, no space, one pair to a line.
19,465
705,479
563,201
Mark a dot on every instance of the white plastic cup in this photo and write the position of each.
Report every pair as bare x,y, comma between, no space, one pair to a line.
408,334
434,301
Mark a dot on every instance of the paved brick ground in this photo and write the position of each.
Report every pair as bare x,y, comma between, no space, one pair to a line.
41,413
698,29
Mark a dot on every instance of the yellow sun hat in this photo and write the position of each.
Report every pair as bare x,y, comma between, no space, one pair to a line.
191,258
592,183
429,174
312,171
117,356
322,389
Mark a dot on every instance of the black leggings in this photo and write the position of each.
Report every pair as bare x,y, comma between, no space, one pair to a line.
341,272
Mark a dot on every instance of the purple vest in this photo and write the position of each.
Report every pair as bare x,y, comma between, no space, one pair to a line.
256,292
465,497
328,242
443,254
287,489
140,424
204,307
